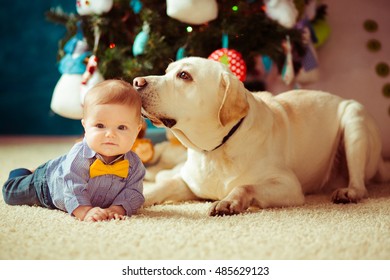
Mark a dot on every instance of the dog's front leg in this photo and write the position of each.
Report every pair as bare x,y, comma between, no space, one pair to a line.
278,191
238,200
173,190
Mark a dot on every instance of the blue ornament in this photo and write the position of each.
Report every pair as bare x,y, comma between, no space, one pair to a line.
136,5
141,40
76,51
225,41
73,65
180,53
267,62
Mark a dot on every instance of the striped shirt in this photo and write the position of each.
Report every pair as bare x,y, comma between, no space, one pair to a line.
70,185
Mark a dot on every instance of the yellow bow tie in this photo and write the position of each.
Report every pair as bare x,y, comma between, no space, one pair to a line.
120,168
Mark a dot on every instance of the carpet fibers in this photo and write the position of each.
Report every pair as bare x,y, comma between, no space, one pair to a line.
319,230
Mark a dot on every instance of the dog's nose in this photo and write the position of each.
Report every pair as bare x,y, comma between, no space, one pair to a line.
139,82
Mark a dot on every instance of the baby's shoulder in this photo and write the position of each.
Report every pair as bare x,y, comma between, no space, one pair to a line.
134,159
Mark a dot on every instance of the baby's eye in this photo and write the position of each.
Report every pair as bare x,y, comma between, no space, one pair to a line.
99,125
122,127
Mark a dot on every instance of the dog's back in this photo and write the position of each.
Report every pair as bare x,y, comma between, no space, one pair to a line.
316,123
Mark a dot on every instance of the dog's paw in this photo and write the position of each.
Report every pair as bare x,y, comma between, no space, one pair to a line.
347,195
225,207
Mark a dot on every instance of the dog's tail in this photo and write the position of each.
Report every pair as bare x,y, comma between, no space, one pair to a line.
383,174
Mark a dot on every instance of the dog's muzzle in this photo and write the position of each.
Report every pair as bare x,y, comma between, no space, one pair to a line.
139,83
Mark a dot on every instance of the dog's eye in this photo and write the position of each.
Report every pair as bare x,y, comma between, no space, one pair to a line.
184,76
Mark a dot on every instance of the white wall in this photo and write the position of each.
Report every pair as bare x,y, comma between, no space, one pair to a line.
347,67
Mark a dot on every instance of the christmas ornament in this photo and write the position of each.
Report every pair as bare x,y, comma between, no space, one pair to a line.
136,5
76,51
181,53
309,60
282,11
309,72
288,68
141,40
233,59
192,11
322,31
66,95
90,69
89,7
142,146
90,77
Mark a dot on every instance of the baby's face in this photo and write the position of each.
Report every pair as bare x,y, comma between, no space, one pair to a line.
111,129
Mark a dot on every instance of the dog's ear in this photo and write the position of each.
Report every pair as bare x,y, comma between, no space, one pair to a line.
234,104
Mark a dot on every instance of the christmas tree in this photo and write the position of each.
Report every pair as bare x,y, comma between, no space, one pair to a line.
145,25
129,38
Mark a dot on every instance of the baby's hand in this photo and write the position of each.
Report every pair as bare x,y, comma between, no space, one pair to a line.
101,214
96,214
114,215
116,212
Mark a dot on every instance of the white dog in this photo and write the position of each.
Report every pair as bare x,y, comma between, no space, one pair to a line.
253,149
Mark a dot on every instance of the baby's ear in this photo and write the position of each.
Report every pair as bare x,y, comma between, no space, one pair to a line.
142,129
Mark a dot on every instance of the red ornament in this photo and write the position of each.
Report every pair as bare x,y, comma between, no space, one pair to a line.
233,59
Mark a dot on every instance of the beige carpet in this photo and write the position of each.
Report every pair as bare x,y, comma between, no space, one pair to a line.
318,230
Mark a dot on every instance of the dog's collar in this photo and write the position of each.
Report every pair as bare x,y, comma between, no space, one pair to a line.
231,132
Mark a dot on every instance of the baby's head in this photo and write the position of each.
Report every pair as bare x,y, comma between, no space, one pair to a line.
113,92
111,118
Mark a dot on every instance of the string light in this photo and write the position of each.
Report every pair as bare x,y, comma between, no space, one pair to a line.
112,45
189,29
235,8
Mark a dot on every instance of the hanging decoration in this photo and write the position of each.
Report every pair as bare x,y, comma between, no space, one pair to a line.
90,77
66,95
288,68
90,7
282,11
181,53
124,48
79,65
231,58
136,5
141,40
192,11
309,71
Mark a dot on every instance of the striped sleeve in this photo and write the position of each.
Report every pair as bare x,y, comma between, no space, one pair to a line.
131,198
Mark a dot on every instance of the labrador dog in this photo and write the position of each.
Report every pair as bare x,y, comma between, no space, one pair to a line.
255,149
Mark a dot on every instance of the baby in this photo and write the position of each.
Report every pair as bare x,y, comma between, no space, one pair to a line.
100,178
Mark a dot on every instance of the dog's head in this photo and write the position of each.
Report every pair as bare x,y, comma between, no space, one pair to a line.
200,100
